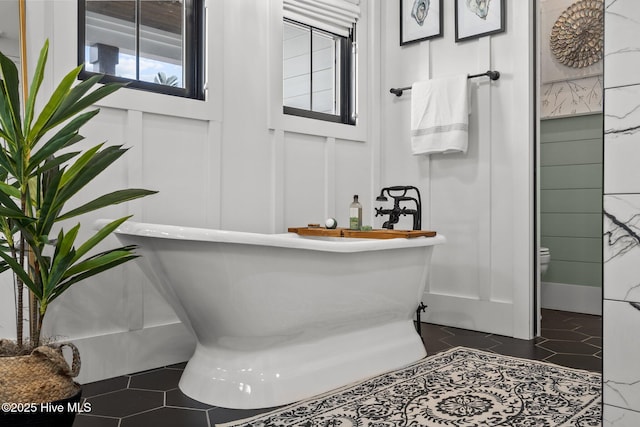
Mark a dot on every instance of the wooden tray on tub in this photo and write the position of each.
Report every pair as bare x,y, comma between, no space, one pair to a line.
361,234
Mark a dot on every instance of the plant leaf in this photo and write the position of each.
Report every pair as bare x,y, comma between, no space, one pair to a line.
50,148
74,95
9,131
55,162
113,198
48,208
78,178
42,124
80,163
92,272
36,81
15,214
66,111
62,259
20,272
11,87
98,237
99,260
9,190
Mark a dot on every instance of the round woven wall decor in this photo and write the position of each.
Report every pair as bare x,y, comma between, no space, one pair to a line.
577,36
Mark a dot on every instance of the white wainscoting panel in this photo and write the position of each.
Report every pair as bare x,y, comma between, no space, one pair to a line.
304,186
175,165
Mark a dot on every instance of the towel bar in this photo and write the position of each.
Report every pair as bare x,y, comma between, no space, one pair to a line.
493,75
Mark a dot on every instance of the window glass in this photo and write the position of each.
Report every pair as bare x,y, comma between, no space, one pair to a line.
110,37
296,66
323,88
317,73
157,44
161,40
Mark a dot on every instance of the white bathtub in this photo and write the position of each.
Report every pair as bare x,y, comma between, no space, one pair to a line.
279,318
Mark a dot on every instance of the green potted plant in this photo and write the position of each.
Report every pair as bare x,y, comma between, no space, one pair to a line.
40,171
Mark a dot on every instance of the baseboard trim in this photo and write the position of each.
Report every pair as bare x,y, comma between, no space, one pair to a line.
127,352
469,313
574,298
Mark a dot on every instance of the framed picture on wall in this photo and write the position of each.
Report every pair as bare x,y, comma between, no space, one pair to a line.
420,20
478,18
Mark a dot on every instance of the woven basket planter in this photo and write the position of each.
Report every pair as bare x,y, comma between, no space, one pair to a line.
29,383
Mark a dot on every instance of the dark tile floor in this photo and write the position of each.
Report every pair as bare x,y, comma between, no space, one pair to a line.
152,398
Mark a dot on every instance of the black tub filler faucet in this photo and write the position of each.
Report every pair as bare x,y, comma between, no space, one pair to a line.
399,194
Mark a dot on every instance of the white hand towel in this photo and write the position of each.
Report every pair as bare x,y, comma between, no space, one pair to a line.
440,115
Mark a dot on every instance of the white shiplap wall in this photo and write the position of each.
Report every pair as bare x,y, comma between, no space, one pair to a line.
483,278
236,162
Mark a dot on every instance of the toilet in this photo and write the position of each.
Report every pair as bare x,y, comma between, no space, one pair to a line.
545,258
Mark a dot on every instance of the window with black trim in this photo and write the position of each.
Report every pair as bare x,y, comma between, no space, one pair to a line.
154,45
318,73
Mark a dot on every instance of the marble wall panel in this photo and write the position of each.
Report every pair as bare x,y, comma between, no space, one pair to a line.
621,44
621,370
621,224
622,140
618,417
621,247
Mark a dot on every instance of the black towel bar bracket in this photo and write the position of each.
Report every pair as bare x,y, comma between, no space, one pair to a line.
493,75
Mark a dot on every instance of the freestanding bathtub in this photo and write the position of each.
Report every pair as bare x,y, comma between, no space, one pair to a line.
279,318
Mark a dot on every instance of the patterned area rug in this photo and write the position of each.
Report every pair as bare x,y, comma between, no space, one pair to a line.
459,387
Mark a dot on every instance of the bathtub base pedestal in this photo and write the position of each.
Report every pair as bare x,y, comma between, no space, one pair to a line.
265,377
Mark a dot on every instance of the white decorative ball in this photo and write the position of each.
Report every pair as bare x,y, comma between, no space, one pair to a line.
331,223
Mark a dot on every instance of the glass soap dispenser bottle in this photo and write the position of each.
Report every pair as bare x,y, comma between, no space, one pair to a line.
355,214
